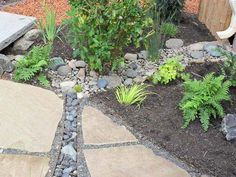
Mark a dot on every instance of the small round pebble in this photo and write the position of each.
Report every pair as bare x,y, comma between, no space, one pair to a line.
102,83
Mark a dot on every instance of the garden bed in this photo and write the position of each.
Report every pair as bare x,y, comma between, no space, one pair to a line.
159,120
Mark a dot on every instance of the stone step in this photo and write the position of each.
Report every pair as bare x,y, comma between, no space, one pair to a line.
12,27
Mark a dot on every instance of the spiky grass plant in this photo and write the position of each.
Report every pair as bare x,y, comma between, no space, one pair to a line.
48,26
135,94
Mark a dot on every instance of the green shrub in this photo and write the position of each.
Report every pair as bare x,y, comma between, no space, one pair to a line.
202,99
169,71
33,64
100,30
135,94
170,10
48,26
229,67
169,29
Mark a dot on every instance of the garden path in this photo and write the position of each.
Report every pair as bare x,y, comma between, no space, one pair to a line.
110,150
29,117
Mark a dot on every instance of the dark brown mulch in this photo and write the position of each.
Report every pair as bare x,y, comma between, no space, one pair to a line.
160,120
192,30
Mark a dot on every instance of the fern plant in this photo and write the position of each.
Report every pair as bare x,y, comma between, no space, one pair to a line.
33,64
202,99
169,71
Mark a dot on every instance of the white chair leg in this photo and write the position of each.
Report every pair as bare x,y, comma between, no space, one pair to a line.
232,27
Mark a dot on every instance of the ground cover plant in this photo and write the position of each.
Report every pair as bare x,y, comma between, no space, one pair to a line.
203,99
100,30
169,29
33,65
135,94
172,69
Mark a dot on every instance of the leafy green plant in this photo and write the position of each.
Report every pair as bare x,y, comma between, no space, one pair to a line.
202,99
33,64
48,26
100,30
135,94
43,81
229,67
170,10
169,29
169,71
78,88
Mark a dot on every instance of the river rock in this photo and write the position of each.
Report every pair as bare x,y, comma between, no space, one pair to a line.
212,49
56,62
102,83
113,80
22,45
131,56
64,70
128,81
174,43
32,34
80,64
70,151
196,54
131,73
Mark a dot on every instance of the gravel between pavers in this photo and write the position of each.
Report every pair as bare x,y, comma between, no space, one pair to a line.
142,139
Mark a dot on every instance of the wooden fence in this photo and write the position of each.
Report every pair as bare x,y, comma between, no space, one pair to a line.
215,14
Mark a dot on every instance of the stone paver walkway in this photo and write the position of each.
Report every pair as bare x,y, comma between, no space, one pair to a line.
23,166
111,150
29,117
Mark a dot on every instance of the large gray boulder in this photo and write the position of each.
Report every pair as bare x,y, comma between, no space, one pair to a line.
228,126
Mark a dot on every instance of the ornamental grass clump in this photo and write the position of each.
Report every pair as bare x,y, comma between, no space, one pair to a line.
48,26
202,99
135,94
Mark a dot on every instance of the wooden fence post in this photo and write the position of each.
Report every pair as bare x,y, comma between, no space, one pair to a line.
215,14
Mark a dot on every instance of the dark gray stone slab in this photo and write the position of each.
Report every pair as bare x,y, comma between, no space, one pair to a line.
13,26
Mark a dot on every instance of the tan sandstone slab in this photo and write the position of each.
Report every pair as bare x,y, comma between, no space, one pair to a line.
130,161
23,166
29,117
100,129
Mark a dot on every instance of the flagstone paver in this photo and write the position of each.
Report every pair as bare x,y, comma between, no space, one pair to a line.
100,129
23,166
12,27
122,159
29,117
130,161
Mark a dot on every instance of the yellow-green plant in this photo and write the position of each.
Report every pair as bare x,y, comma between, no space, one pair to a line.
169,71
78,88
135,94
48,26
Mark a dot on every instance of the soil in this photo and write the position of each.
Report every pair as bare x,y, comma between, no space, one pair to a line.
159,120
192,30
